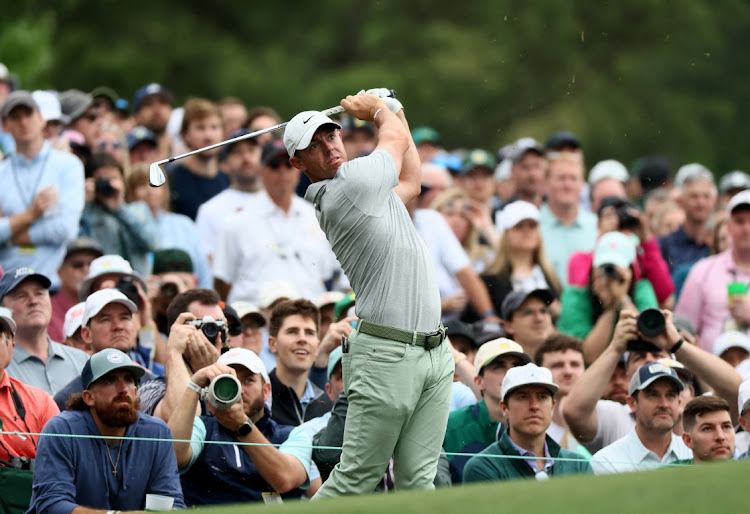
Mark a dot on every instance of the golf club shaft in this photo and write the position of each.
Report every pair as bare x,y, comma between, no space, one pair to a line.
327,112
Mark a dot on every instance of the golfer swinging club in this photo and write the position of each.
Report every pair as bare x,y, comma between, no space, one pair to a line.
397,372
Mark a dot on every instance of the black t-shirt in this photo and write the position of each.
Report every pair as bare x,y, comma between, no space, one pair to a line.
189,191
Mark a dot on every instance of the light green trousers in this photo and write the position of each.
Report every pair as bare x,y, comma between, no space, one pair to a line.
399,399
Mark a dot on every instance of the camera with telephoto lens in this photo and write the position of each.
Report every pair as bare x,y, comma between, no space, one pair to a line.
625,220
127,287
103,187
651,322
210,327
169,290
223,391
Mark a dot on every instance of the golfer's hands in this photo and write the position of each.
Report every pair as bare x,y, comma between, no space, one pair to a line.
393,105
363,107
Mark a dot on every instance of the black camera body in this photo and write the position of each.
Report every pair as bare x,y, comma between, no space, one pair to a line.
21,463
211,328
169,290
625,220
127,287
102,187
610,271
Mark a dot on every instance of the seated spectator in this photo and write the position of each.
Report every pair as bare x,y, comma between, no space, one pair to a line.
527,403
471,224
73,472
698,200
527,318
653,397
520,262
37,360
591,312
708,430
596,422
189,349
23,408
615,214
742,440
252,322
220,473
704,298
174,230
473,428
734,347
293,337
72,271
42,195
125,229
563,356
72,329
107,322
142,146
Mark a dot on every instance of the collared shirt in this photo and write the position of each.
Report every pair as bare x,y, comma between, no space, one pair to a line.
628,454
561,240
39,409
179,231
22,180
532,458
265,244
213,214
64,363
704,299
677,248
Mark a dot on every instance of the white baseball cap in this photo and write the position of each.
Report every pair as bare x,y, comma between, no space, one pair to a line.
49,106
329,298
301,129
730,339
741,198
73,319
502,171
270,291
6,317
514,213
100,299
608,169
614,248
104,265
530,374
246,309
743,396
490,350
692,171
246,358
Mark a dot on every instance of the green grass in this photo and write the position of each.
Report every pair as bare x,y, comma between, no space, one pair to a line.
715,488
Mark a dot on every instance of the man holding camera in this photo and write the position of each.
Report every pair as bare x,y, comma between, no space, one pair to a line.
126,229
233,472
597,423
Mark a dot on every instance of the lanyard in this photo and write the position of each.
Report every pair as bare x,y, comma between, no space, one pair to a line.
32,193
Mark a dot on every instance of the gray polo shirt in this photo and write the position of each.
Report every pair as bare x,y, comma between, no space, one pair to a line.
377,245
64,363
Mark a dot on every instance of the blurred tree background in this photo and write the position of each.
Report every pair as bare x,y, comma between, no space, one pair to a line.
632,78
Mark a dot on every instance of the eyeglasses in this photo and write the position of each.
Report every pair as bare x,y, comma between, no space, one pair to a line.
103,145
275,164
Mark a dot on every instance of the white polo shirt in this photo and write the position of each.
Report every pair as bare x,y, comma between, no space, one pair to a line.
628,454
213,213
265,244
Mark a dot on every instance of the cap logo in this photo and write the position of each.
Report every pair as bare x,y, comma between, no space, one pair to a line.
152,88
20,272
657,367
308,119
114,358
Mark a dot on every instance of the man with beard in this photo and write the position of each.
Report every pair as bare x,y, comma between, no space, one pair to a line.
239,472
100,464
152,107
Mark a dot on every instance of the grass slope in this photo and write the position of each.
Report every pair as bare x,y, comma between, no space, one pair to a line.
705,489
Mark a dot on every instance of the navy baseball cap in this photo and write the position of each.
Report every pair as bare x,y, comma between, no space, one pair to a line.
139,135
271,150
650,373
227,149
152,89
12,278
109,359
515,299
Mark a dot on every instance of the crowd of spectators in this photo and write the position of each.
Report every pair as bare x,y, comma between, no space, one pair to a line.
599,320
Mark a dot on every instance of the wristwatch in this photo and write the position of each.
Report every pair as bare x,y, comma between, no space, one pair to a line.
244,429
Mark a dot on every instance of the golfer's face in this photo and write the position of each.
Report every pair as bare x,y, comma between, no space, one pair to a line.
325,153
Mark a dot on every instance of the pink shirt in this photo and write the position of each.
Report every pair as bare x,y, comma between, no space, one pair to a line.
704,300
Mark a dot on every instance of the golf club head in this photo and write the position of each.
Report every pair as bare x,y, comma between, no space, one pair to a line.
156,176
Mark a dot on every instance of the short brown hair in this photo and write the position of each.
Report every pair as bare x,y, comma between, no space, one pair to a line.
283,310
699,406
198,109
557,343
260,110
181,302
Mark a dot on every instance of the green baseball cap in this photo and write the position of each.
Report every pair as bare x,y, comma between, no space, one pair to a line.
105,361
425,135
478,158
334,358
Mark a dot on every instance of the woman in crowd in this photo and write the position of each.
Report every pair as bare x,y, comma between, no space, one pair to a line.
520,262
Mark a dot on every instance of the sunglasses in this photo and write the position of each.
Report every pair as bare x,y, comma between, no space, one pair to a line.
275,164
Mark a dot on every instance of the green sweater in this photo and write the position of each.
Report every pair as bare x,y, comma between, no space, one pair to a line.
577,316
470,430
487,467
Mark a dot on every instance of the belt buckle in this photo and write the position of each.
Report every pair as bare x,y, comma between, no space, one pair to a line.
440,333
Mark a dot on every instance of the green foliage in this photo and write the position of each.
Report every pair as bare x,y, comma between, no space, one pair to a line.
630,78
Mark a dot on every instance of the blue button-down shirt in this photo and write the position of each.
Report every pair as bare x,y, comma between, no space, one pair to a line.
677,248
561,240
21,180
532,458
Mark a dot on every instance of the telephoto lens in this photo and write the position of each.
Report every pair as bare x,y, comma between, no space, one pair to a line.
224,391
651,322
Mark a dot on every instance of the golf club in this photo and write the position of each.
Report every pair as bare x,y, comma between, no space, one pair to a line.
156,176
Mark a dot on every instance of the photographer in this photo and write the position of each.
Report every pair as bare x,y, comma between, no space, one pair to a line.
590,312
597,423
125,229
172,274
615,213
